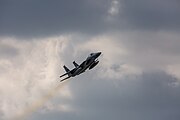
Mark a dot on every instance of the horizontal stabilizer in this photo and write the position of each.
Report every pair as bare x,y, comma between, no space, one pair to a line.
68,72
65,79
64,74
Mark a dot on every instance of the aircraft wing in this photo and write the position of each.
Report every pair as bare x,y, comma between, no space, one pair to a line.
65,79
82,64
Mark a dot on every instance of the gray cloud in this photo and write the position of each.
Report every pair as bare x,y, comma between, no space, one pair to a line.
149,96
137,77
156,49
50,17
7,51
116,88
152,14
43,17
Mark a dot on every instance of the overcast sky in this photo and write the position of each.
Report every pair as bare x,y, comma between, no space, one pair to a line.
137,77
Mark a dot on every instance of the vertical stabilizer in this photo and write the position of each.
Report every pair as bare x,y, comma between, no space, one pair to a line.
75,64
68,72
66,69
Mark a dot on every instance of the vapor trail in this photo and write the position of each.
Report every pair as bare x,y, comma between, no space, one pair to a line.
40,102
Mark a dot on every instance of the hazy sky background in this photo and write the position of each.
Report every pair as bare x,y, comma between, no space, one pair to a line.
139,71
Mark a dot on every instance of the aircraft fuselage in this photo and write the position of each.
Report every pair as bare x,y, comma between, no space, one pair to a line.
90,62
86,64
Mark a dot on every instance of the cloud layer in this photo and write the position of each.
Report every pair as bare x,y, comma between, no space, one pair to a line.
138,74
42,18
120,80
29,74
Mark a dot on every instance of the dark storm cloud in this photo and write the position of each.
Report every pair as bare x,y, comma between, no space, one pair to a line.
45,17
150,96
153,95
152,14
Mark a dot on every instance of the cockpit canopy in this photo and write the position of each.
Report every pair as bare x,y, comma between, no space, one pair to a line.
91,54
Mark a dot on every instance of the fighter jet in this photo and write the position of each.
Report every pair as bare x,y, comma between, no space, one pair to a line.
90,62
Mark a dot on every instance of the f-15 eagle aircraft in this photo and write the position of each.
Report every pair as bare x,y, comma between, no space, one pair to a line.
90,62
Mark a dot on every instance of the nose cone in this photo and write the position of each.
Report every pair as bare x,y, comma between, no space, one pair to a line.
98,54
